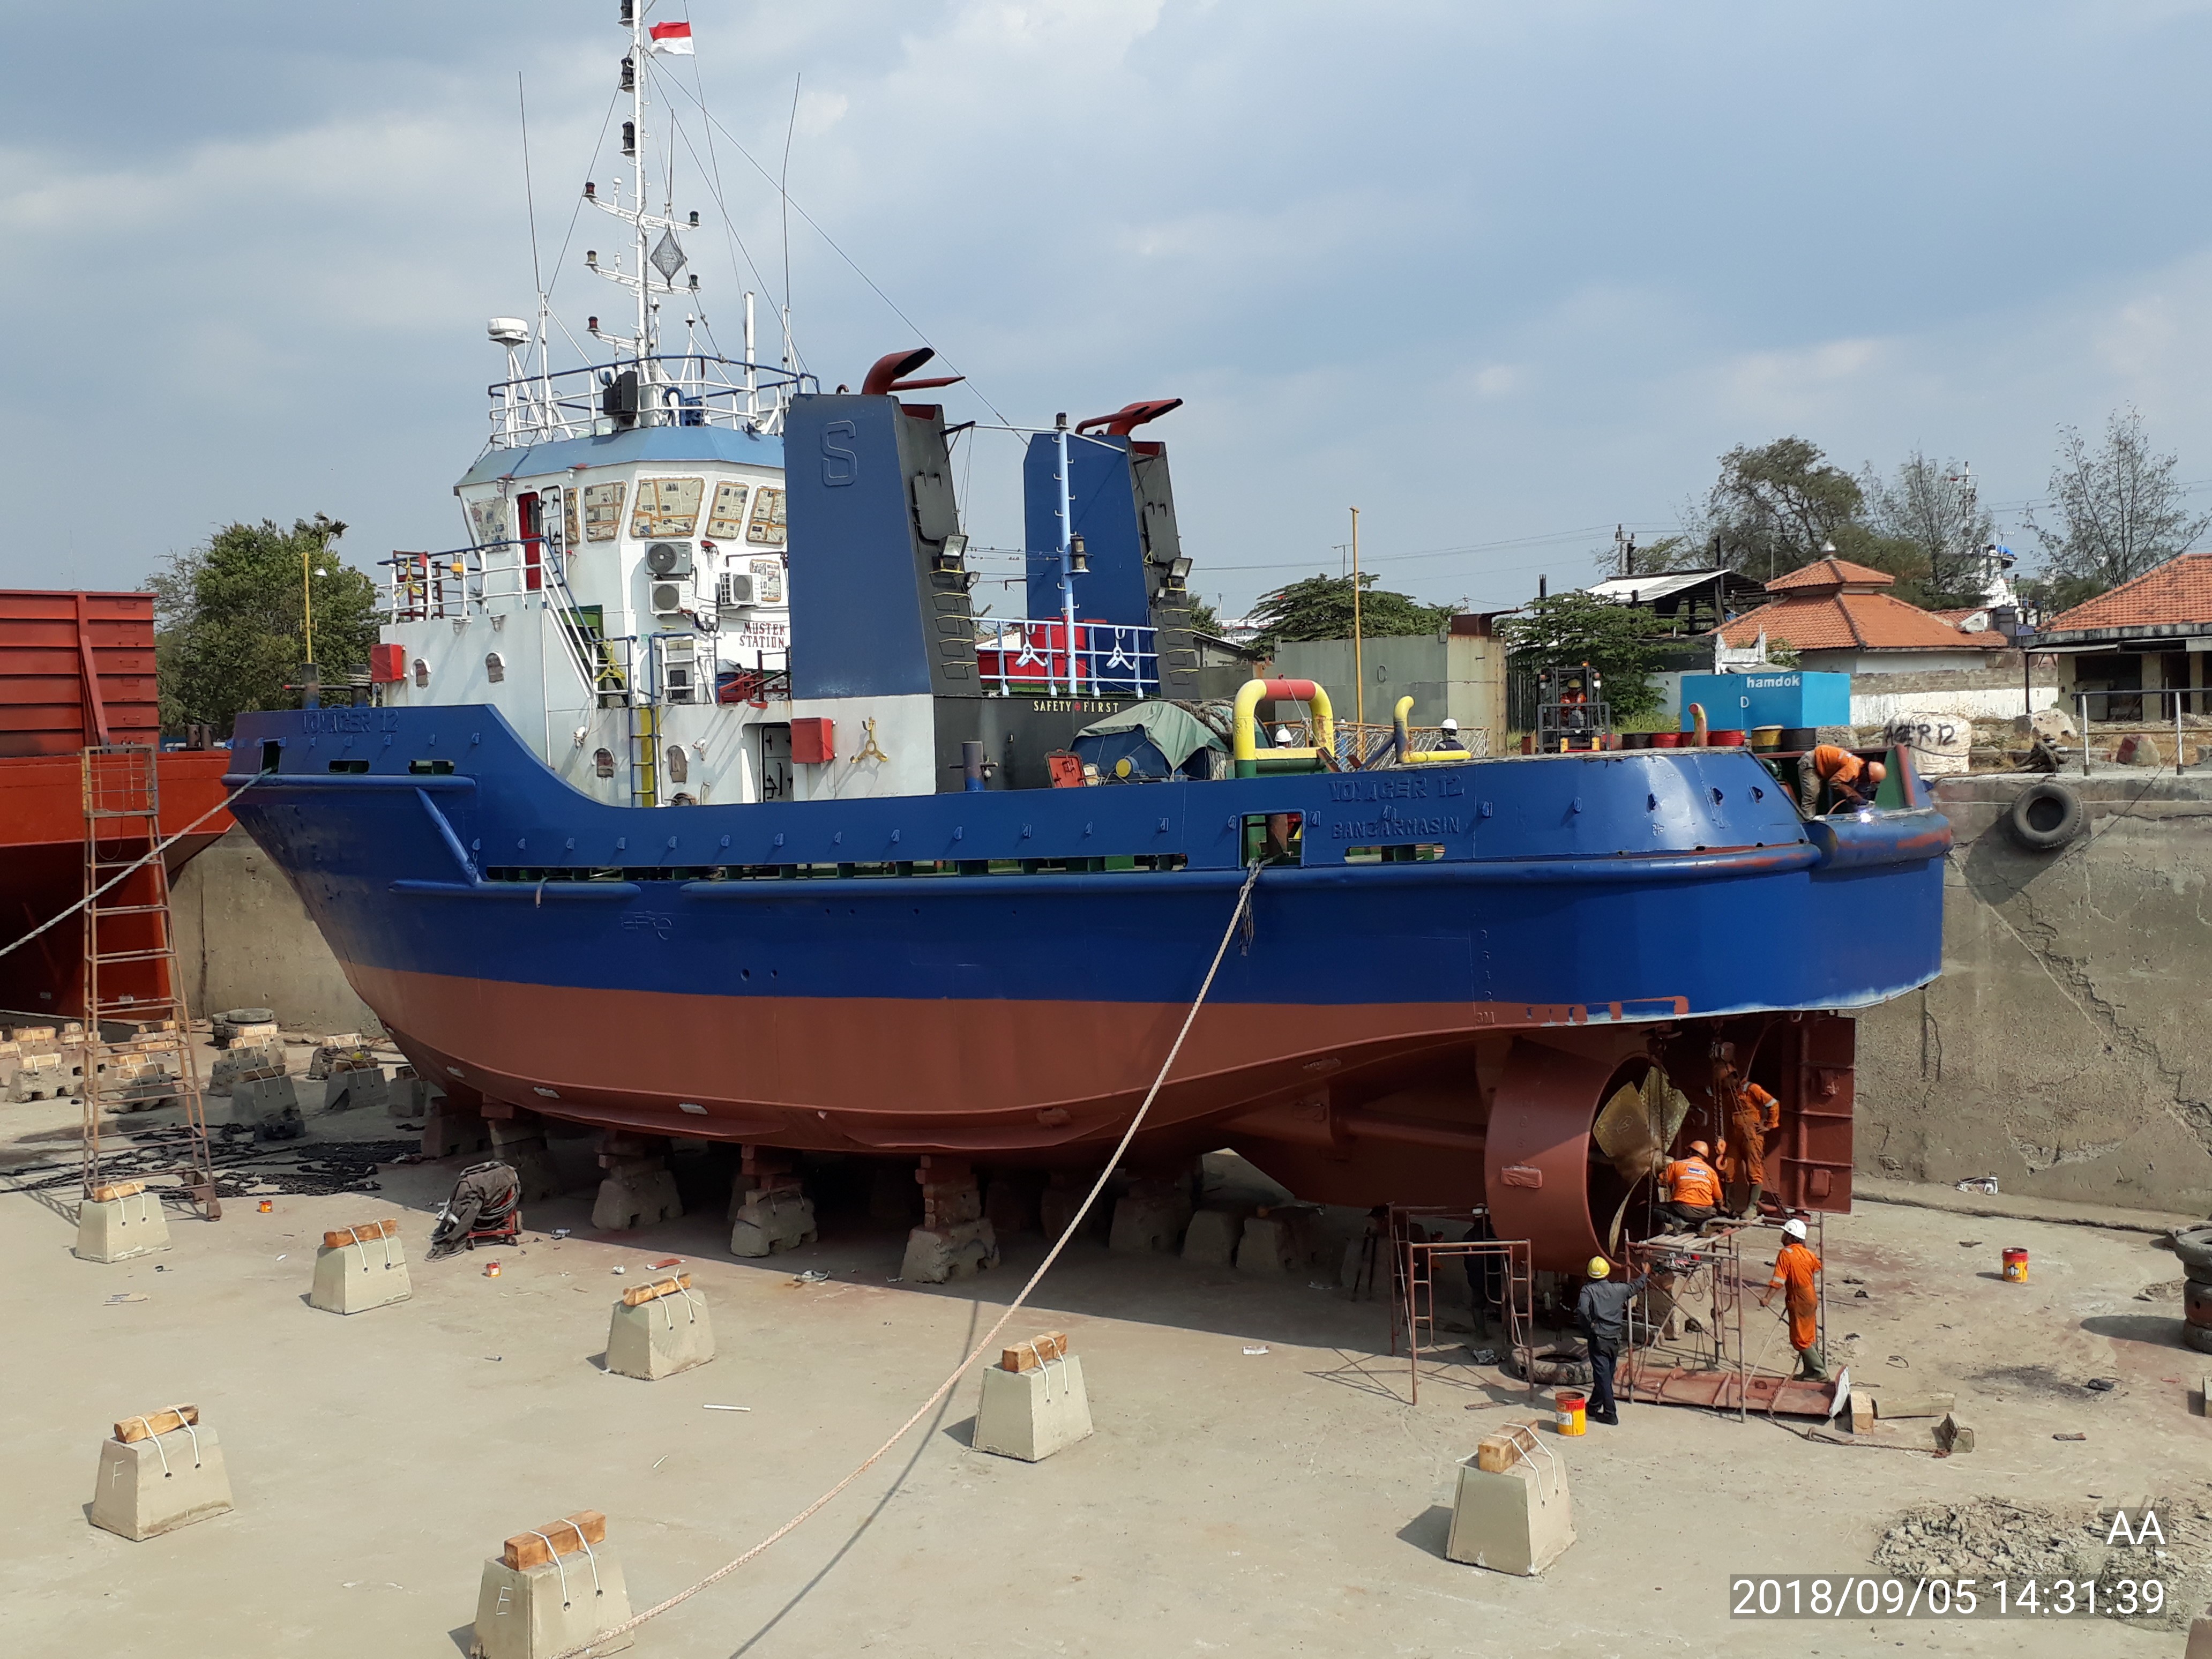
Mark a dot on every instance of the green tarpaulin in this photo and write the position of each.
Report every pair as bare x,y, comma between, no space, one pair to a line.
1172,729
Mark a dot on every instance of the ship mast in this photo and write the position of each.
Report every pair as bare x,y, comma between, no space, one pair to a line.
635,14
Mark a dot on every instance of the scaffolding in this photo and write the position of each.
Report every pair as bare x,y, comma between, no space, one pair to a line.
1718,1364
135,1012
1413,1263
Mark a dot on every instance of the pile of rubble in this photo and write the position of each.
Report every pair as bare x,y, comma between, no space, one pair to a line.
1992,1538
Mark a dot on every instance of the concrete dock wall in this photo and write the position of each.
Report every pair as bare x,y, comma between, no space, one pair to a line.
246,942
2067,1050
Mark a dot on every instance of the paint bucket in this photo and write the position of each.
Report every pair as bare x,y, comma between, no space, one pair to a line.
1569,1412
2016,1266
266,1206
1766,737
492,1271
1724,740
1667,740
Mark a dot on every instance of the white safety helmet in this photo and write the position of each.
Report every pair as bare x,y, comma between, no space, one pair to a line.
1793,1228
1449,725
1282,737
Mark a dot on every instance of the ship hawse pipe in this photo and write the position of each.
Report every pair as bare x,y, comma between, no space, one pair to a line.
1244,745
1696,726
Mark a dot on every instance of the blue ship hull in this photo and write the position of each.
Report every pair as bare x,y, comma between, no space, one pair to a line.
1406,1031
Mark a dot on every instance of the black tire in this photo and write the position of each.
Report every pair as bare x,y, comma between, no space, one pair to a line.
2194,1246
2198,1337
2044,817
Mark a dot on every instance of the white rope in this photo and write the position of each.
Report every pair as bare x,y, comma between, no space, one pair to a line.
1236,916
157,852
186,1424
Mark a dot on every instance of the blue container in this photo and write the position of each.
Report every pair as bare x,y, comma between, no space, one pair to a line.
1782,696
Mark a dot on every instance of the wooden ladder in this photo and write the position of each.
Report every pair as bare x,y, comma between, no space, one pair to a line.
131,974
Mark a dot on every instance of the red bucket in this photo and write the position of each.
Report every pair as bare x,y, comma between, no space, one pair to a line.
1667,740
1724,740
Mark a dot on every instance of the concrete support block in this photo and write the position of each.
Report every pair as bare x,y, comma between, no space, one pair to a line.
1063,1194
528,1128
1031,1414
636,1198
450,1135
238,1064
769,1221
358,1090
1281,1241
535,1171
1150,1216
118,1229
351,1278
937,1255
534,1613
410,1099
156,1485
1211,1237
659,1338
270,1106
1519,1520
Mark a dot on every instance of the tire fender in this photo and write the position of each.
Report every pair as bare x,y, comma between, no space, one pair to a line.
2043,817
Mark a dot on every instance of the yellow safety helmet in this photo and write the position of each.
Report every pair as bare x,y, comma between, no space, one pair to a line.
1600,1268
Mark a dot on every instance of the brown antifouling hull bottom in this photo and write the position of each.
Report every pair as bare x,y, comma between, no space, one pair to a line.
1342,1104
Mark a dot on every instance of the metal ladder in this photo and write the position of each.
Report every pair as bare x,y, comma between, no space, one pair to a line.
131,976
644,754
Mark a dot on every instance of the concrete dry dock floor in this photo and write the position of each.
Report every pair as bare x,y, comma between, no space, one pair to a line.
1287,1502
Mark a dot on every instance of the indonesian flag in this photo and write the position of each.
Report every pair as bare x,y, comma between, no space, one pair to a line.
672,37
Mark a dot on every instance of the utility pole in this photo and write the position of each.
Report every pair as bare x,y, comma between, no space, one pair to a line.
1358,663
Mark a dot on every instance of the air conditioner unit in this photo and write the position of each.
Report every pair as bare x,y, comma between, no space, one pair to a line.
735,588
669,558
667,598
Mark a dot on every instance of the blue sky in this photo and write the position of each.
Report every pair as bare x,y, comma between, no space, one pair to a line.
1501,275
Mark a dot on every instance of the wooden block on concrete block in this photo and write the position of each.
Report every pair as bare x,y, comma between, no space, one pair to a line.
1505,1445
1050,1345
565,1536
638,1295
132,1429
1911,1405
340,1237
109,1190
1519,1520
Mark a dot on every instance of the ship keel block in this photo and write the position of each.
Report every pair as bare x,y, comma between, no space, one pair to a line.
936,1255
353,1278
766,1222
661,1337
1517,1520
1030,1414
127,1222
160,1482
534,1613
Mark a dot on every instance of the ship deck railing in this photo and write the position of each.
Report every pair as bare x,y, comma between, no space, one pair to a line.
688,389
1031,657
1363,748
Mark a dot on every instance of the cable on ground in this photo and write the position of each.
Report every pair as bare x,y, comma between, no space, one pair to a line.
1237,916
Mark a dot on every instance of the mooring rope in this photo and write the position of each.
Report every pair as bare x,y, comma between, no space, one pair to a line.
1243,900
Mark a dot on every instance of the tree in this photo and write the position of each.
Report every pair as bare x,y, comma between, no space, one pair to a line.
2118,511
1619,641
231,614
1320,608
1782,505
1930,512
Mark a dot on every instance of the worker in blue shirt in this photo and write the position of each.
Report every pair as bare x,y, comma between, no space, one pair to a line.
1601,1315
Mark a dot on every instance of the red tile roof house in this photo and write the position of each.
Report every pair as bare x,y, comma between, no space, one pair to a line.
2152,634
1841,618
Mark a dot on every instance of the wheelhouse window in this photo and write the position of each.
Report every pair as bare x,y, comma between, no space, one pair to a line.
766,529
603,508
727,521
666,507
488,518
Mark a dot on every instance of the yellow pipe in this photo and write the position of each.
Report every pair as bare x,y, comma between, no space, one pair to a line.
1243,746
1401,719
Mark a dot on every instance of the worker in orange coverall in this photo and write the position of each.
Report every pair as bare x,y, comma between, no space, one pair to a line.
1693,1190
1752,1115
1849,781
1794,1271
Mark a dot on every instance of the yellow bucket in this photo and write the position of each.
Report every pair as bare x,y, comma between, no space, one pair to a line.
1766,737
1569,1412
2015,1265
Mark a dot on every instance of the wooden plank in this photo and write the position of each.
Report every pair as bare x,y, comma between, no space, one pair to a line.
567,1536
1052,1344
114,1189
134,1429
339,1237
638,1295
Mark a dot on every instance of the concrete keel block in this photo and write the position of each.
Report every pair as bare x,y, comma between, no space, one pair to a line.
640,1198
150,1487
659,1338
771,1221
1211,1239
1031,1414
1277,1243
351,1278
538,1176
448,1134
270,1106
1519,1520
120,1228
534,1613
1146,1219
358,1090
937,1255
